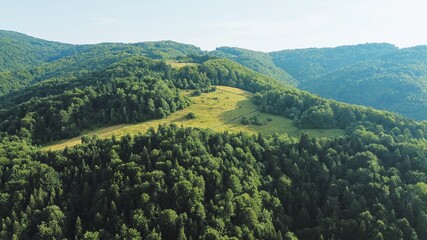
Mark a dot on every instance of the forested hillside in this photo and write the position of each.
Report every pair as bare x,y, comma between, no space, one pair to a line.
132,90
376,75
395,81
186,183
19,51
311,63
28,60
257,61
23,59
370,182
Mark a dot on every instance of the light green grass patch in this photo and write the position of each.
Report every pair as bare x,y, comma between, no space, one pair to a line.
174,64
221,110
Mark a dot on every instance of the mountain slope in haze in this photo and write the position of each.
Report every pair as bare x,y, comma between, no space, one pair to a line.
396,82
376,75
72,66
95,58
25,60
257,61
307,64
19,51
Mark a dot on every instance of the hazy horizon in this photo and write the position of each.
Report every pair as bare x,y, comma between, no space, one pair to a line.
214,47
270,26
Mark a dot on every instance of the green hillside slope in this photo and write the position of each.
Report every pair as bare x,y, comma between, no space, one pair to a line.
19,51
77,60
25,53
376,75
257,61
307,64
395,82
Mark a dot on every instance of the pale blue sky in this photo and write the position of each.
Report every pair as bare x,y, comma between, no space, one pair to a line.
264,25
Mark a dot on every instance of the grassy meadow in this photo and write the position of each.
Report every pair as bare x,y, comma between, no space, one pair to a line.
221,110
175,64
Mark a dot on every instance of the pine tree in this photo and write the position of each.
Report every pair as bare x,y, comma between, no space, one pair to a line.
181,234
78,228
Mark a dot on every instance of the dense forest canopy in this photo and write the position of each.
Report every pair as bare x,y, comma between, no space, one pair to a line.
189,183
178,183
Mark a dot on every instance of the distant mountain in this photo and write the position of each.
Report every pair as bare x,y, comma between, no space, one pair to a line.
257,61
396,81
18,51
307,64
376,75
25,60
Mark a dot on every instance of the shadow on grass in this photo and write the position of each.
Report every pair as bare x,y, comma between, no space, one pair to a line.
243,108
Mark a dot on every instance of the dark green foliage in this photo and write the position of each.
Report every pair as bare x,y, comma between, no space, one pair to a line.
166,49
375,75
244,120
19,51
191,115
254,120
310,111
133,90
225,72
196,93
138,89
186,183
210,89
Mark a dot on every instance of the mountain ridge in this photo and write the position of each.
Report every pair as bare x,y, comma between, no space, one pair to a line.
323,71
